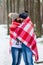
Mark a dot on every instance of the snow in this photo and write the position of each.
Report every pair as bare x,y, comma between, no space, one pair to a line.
5,55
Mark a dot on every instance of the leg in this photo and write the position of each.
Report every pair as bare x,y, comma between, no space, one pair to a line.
19,56
16,55
27,55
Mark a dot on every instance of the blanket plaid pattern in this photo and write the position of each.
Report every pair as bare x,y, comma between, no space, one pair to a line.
12,28
25,33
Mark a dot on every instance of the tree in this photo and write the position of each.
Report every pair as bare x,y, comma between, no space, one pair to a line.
9,9
10,5
38,18
42,10
7,15
25,5
42,16
13,5
3,11
32,10
18,4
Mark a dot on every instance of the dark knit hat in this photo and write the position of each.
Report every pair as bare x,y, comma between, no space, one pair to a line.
23,15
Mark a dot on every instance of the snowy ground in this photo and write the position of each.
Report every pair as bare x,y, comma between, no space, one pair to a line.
5,55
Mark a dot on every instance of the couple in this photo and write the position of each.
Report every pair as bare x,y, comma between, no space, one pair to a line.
18,46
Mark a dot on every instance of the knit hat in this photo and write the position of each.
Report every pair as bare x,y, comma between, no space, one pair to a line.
13,15
23,15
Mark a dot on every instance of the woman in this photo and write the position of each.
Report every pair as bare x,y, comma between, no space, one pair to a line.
16,45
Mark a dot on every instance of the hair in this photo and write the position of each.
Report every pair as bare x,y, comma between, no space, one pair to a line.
19,21
26,11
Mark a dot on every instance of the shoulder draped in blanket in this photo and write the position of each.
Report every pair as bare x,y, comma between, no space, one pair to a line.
25,33
13,26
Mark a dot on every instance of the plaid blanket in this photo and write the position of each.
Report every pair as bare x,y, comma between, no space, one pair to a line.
25,33
12,28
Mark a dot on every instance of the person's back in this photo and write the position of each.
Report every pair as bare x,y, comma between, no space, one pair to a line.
15,45
13,41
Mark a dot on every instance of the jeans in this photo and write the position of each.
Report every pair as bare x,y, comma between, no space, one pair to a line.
27,55
16,55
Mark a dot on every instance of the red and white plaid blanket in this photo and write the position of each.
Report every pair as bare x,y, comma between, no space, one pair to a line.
12,28
25,33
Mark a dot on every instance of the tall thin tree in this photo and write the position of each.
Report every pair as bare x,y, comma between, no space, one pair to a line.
32,10
7,15
38,18
3,11
42,17
18,4
25,5
13,5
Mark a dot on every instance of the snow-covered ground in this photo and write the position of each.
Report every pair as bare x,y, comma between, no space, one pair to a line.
5,55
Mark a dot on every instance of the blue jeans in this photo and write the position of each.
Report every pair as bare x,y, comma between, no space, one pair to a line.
16,55
27,55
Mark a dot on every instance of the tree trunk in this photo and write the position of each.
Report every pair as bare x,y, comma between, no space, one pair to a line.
13,5
7,16
42,17
18,4
10,5
25,5
32,10
3,11
38,18
42,10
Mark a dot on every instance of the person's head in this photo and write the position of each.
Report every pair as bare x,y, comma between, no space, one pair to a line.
13,15
18,17
22,16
